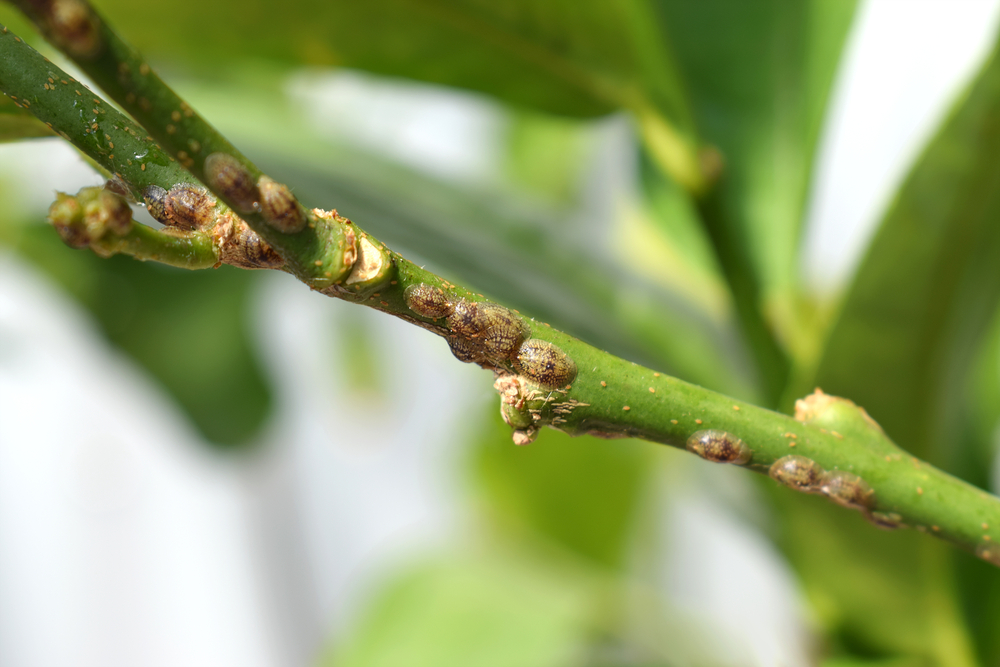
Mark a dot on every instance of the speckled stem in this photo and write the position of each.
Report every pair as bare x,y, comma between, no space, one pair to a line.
128,79
846,456
101,220
81,117
192,250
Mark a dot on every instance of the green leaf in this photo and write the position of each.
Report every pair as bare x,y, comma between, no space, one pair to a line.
500,241
189,329
903,348
577,58
758,77
475,611
582,493
878,594
927,290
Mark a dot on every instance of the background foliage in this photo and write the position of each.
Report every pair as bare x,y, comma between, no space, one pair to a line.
703,286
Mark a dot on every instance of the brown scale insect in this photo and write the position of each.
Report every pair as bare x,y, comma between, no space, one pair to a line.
544,363
799,473
465,319
503,333
497,330
467,350
74,26
428,301
241,246
227,175
279,207
888,520
719,446
848,490
185,205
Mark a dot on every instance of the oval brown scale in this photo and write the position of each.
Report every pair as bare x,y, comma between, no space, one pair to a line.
466,320
503,332
799,473
427,301
155,198
241,246
227,175
848,490
719,446
279,207
544,363
189,207
464,349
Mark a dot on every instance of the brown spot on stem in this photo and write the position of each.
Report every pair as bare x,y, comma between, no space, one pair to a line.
799,473
719,446
279,207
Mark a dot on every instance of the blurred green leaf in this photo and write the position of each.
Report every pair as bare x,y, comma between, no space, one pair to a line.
545,155
189,329
17,123
475,611
581,493
880,594
902,348
977,442
575,58
758,76
927,290
513,248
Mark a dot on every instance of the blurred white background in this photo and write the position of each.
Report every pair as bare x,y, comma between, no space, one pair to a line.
126,541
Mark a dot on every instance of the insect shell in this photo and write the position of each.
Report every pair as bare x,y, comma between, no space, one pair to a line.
428,301
185,205
467,350
279,207
490,329
544,363
719,446
225,174
799,473
848,490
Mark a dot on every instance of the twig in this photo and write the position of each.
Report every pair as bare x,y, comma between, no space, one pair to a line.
544,377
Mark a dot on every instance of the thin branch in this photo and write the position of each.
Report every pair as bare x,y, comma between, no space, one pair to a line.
544,377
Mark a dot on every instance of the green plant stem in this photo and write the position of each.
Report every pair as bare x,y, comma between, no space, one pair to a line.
192,250
125,75
81,117
609,397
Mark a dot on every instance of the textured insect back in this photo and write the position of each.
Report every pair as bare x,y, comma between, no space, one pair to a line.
544,364
502,333
798,472
465,319
467,350
189,207
241,246
155,199
719,446
279,207
185,206
848,490
428,301
225,174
